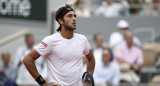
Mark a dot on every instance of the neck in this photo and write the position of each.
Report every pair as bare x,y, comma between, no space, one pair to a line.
6,65
106,63
29,47
98,47
68,34
109,3
129,46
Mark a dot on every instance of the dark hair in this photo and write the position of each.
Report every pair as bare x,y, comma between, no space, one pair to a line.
28,35
95,36
61,12
110,52
2,55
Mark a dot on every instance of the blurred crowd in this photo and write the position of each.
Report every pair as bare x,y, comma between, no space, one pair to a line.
120,61
13,73
115,8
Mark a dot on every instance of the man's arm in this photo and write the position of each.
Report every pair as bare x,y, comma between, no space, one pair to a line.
120,60
137,68
91,62
30,65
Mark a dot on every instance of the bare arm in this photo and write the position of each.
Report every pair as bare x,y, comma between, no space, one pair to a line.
29,63
91,62
137,67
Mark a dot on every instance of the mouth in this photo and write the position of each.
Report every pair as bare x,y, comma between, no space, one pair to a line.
74,24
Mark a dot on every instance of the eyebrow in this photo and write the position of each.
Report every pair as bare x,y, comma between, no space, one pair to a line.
71,14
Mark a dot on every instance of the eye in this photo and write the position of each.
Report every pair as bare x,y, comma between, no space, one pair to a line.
75,16
69,15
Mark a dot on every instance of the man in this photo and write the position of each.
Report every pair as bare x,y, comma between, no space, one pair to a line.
130,58
81,10
109,8
97,51
8,70
22,51
63,52
107,73
23,77
117,38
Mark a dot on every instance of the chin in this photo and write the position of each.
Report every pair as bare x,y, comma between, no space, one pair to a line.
74,28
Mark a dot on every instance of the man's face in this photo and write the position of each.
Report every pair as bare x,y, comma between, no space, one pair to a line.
109,1
99,41
129,39
106,56
69,21
123,30
30,41
6,58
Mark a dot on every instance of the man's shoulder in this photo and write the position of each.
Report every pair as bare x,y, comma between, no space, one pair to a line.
52,37
121,45
115,34
80,36
21,48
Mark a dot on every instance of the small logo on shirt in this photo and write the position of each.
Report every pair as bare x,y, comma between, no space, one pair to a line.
43,43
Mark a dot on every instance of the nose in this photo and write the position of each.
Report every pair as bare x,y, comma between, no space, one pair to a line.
74,18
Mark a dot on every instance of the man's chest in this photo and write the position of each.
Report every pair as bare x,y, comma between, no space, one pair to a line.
130,56
72,50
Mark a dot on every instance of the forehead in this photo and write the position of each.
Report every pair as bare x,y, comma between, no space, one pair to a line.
129,35
99,36
30,38
105,52
71,13
6,55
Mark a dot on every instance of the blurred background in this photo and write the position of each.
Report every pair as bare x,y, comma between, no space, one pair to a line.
104,22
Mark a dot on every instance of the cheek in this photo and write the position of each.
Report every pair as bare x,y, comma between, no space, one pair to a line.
67,22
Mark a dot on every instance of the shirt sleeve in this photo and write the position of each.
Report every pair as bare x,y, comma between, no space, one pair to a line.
86,47
116,76
44,48
140,58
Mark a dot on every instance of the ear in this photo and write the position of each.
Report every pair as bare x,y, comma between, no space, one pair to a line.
60,21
